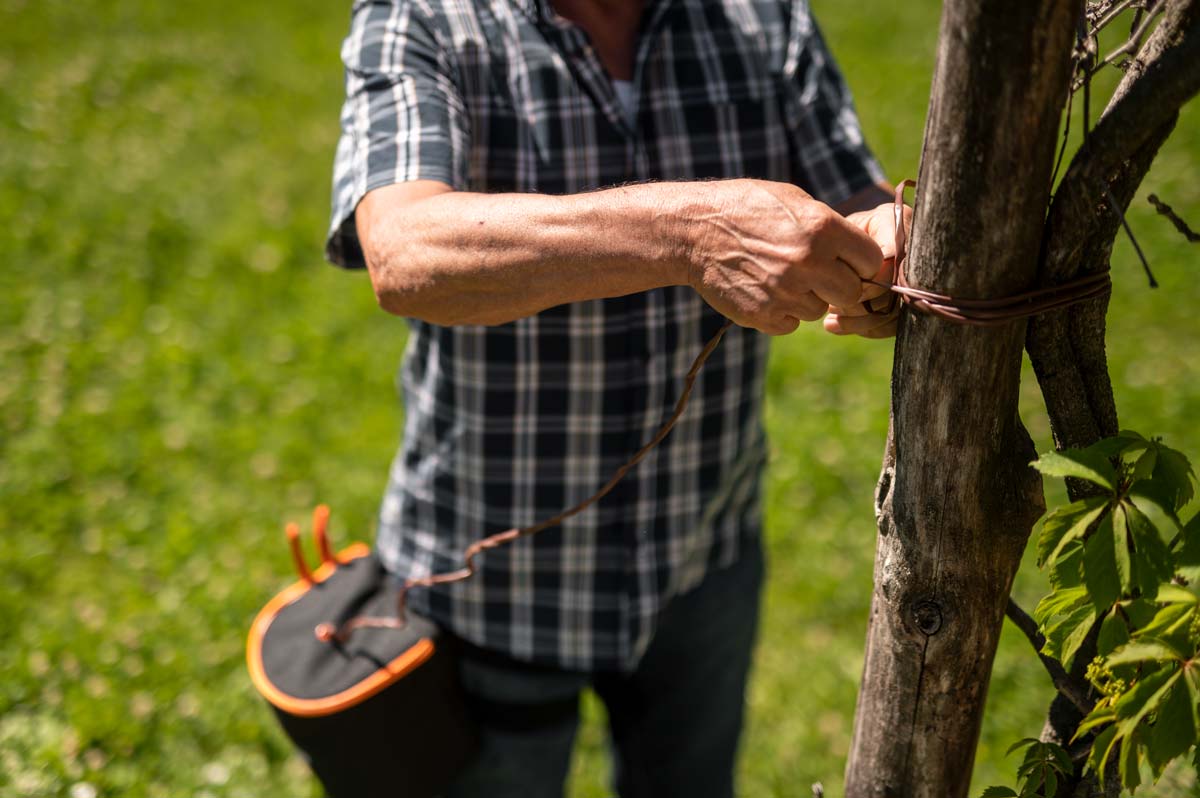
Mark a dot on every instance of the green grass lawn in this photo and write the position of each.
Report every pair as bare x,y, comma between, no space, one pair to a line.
180,374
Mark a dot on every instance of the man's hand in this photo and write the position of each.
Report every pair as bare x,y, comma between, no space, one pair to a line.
880,225
768,256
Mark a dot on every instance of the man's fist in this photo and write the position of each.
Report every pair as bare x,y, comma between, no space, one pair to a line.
853,319
768,256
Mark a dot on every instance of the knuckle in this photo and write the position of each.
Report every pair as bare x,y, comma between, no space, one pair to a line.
802,252
822,221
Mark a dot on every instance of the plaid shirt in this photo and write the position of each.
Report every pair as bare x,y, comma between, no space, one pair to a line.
508,425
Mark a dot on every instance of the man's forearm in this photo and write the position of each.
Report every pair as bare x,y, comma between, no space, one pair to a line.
467,258
764,254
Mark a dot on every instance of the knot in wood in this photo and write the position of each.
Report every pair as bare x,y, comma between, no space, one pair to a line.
927,615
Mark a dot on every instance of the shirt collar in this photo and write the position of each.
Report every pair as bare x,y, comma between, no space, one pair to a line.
536,9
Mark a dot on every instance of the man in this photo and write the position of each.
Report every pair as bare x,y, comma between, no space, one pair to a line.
520,178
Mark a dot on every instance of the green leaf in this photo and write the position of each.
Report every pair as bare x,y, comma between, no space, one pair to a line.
1174,473
1144,698
1019,744
1128,768
1153,558
1061,758
1174,594
1143,467
1119,444
1174,730
998,792
1066,524
1049,782
1120,523
1097,717
1187,559
1101,573
1191,677
1143,651
1064,637
1038,773
1075,639
1101,748
1149,492
1080,464
1067,570
1114,632
1058,602
1139,612
1168,620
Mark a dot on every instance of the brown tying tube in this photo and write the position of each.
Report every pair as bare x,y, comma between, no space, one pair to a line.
328,632
976,312
981,312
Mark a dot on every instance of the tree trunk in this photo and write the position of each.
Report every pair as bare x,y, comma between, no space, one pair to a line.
956,498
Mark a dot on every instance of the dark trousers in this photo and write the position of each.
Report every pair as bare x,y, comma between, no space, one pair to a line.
674,722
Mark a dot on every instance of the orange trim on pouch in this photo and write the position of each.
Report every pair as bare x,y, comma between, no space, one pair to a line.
316,707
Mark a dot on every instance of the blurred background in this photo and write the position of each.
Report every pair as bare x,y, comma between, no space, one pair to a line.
180,374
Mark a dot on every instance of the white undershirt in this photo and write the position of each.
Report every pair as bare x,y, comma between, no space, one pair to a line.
624,92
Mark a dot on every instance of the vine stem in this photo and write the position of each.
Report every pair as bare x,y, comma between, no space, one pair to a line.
1070,689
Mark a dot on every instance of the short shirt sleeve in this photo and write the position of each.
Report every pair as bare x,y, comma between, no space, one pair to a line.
834,159
403,118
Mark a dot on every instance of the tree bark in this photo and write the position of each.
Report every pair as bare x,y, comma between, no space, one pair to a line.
956,498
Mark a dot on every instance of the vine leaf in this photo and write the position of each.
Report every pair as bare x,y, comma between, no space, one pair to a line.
1101,748
1066,570
1128,768
1106,562
1143,467
1154,565
999,792
1066,524
1085,464
1057,603
1114,632
1019,744
1099,716
1174,594
1175,729
1187,560
1064,637
1143,651
1174,472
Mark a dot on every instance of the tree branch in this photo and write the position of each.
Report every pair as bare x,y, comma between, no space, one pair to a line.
1112,13
1067,347
1166,210
1166,74
1133,43
1066,686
